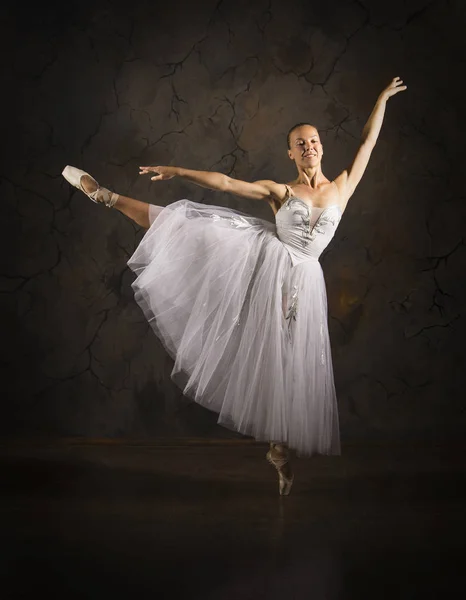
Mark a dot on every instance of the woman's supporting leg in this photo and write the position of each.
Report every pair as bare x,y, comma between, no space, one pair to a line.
279,457
281,451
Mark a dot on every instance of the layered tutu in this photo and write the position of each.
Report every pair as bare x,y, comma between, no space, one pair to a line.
247,329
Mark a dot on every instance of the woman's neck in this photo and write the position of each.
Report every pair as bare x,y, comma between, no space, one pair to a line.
311,177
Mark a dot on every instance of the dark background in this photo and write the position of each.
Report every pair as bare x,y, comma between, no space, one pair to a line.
109,86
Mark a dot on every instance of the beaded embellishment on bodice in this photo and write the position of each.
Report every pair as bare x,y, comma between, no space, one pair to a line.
306,230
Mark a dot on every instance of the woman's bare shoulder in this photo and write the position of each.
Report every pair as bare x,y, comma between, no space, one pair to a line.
277,191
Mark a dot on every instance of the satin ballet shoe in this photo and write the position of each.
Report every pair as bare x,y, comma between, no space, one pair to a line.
100,196
284,483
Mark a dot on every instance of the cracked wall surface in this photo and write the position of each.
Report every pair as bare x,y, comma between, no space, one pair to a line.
109,86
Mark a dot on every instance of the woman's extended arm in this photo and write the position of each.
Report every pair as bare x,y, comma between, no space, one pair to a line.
258,190
349,178
371,130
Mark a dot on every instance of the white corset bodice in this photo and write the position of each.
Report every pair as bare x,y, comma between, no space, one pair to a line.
306,230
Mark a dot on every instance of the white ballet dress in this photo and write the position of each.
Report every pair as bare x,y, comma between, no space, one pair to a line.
240,305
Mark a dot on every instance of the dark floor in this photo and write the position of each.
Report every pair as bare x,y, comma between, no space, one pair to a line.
197,520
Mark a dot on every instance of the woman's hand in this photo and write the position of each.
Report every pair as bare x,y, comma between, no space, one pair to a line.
395,86
164,173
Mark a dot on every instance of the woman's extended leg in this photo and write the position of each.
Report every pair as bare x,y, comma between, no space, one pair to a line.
134,209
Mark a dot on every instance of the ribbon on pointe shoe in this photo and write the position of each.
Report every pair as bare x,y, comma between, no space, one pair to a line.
104,196
100,196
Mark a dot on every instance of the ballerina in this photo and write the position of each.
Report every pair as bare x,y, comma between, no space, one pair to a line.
240,303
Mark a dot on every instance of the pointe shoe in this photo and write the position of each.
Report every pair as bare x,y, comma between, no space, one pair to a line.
284,483
99,196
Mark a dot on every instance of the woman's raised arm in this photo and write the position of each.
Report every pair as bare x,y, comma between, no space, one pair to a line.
257,190
349,178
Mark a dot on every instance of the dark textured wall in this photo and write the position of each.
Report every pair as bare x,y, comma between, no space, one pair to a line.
109,86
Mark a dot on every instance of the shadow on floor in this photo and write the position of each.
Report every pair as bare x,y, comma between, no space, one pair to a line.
205,521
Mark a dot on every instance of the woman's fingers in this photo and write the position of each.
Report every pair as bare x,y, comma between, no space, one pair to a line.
399,87
162,173
398,82
146,170
395,86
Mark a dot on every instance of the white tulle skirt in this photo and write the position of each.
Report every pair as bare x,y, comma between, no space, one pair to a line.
247,331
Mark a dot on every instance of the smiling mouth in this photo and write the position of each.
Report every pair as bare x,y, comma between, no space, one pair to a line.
308,155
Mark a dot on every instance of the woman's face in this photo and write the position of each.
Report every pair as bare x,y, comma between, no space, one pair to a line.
306,149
